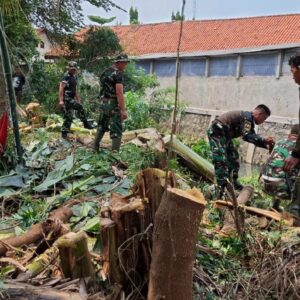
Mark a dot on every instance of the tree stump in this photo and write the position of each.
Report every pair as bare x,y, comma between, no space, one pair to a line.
74,256
174,241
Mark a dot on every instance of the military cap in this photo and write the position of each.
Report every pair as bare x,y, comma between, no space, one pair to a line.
72,65
122,58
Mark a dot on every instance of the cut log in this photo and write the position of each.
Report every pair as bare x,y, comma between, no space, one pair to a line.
39,264
19,291
174,241
38,231
287,218
74,255
198,163
229,221
151,184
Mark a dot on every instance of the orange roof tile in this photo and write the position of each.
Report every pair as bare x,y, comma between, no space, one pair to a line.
207,35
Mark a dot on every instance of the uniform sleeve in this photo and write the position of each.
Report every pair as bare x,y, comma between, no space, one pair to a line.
23,80
296,150
64,79
250,136
119,78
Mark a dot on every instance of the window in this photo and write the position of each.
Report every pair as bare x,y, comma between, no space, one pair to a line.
286,69
145,65
259,64
192,67
42,45
165,68
223,66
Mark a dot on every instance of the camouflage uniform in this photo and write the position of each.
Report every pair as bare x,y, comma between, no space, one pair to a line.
225,156
110,115
275,181
71,104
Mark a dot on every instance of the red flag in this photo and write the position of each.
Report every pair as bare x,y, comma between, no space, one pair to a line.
3,131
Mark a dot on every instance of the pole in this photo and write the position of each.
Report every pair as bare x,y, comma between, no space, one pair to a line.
11,95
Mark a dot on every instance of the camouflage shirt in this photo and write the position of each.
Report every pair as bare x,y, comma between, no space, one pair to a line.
70,82
240,124
108,80
274,165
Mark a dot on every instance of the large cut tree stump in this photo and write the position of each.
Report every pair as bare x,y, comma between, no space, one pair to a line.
174,241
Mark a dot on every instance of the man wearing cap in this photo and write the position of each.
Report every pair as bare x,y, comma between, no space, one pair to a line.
69,100
112,103
226,127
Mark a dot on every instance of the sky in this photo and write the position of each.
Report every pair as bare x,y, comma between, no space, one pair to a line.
156,11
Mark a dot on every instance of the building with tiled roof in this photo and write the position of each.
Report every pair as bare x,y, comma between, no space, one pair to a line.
224,64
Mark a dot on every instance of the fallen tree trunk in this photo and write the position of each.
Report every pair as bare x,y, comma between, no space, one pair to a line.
198,163
30,292
38,231
174,241
229,221
287,218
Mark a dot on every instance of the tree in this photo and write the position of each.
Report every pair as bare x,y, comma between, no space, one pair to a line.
177,16
133,16
59,18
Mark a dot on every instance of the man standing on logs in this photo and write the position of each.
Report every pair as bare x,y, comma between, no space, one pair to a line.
225,156
112,103
294,158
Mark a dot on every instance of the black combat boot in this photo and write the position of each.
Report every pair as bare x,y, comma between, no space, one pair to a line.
88,125
98,138
237,185
116,144
64,134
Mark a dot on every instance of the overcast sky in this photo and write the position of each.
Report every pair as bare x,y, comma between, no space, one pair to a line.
153,11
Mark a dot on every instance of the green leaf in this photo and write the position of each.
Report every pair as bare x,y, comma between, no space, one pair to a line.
11,180
92,225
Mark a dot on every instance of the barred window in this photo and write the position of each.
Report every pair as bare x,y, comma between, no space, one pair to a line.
193,67
259,64
223,66
165,68
145,65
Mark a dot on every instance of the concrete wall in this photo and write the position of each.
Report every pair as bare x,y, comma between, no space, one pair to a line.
229,93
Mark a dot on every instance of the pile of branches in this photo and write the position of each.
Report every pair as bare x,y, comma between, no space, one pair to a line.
276,274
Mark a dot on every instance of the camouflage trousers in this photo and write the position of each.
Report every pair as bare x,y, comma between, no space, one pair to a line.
279,189
225,156
110,119
71,105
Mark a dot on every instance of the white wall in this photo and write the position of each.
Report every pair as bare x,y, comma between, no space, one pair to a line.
229,93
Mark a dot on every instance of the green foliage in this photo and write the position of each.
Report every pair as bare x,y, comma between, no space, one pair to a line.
21,37
202,148
95,58
100,20
162,103
59,18
133,16
138,112
177,16
43,84
135,79
31,212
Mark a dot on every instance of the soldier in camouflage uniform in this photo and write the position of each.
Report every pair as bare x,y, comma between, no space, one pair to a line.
226,127
293,160
69,100
112,103
275,181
